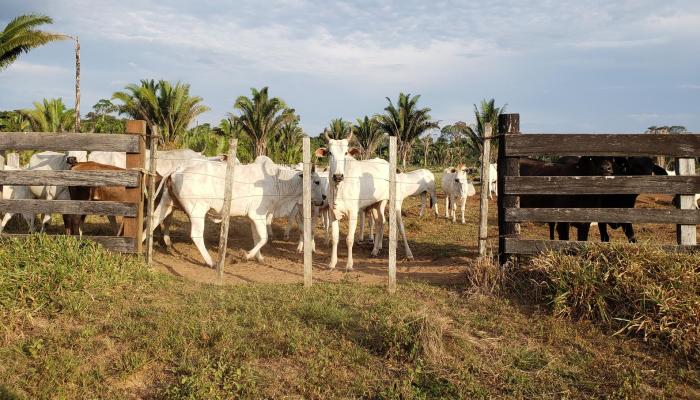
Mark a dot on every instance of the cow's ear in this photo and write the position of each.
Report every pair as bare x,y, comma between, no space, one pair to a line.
313,167
353,151
321,152
72,160
223,157
398,171
453,170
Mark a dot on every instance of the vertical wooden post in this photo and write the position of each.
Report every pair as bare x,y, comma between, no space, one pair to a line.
308,229
485,189
392,214
226,210
2,168
133,227
508,124
77,86
151,195
13,160
686,234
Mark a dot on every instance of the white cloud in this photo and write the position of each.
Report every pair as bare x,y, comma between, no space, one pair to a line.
27,68
689,86
643,117
132,64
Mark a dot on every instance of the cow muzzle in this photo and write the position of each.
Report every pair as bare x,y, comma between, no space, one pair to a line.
338,177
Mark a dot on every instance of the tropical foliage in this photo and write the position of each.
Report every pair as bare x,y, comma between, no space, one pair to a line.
488,113
368,136
171,108
339,129
49,116
407,122
285,146
13,121
260,117
21,35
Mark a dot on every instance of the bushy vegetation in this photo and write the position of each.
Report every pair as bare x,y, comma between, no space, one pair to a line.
640,291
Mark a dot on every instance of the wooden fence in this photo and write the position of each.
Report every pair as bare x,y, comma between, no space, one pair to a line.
133,143
513,145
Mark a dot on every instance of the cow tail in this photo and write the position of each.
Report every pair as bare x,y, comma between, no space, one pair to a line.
166,180
431,199
659,171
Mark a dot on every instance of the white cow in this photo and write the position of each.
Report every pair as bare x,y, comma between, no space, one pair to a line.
493,181
456,185
52,161
353,185
260,189
16,193
697,196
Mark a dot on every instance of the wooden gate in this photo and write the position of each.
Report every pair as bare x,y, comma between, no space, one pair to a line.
513,145
133,143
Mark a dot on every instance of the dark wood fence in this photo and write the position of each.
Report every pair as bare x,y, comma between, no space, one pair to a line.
513,145
133,143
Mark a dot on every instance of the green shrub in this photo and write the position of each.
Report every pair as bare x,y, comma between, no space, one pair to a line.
641,291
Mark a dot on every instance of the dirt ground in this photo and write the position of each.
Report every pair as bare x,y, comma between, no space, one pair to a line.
441,248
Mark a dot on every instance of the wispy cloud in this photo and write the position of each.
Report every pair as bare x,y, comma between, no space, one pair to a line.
689,86
643,117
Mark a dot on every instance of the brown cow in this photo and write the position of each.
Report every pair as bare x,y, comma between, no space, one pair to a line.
74,223
585,166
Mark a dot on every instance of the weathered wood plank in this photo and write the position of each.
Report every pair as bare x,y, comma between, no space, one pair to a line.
532,246
392,214
485,188
686,233
509,128
69,207
603,145
631,215
656,184
70,178
68,141
133,226
117,244
226,209
306,203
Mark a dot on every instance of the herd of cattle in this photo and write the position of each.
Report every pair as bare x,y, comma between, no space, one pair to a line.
347,188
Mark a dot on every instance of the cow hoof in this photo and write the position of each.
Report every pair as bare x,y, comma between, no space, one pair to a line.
213,265
410,258
349,269
330,268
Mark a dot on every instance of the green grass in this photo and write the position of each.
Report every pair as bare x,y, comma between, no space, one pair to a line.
80,322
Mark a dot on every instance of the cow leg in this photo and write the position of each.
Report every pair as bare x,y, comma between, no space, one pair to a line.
453,209
350,239
5,220
268,225
292,217
29,217
259,227
603,229
433,199
409,254
447,206
378,215
300,224
552,225
327,219
629,232
167,221
423,200
162,212
464,204
563,230
113,221
583,230
197,216
362,226
372,232
334,241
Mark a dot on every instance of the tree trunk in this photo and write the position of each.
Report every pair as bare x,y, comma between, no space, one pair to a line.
403,156
77,85
260,148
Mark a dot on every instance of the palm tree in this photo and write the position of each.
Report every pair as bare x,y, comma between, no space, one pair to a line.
169,107
49,116
367,136
21,36
426,140
488,113
260,117
338,129
285,146
14,121
407,122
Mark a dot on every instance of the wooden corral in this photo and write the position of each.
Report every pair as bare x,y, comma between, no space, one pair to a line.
513,145
133,143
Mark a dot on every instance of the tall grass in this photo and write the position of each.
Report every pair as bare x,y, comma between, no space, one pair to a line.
50,275
642,291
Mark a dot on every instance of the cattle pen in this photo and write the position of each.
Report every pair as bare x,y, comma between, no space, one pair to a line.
133,143
513,145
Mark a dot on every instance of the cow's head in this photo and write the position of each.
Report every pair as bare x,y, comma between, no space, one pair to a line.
338,153
319,185
600,166
461,173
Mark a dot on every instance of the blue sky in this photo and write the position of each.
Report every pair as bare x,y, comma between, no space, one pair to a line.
566,66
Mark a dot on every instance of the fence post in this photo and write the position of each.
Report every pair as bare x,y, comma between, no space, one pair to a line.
392,214
686,234
151,195
13,160
508,124
485,189
308,229
133,227
226,210
2,168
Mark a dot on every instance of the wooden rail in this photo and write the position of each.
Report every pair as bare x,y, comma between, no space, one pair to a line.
133,143
511,185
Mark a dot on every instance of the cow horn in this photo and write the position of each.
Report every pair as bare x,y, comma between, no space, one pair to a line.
325,133
349,138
